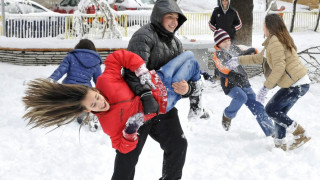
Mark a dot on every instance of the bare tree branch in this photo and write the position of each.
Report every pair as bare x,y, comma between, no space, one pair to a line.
311,57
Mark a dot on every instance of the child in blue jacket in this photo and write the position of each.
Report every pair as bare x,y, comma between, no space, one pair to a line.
235,83
81,66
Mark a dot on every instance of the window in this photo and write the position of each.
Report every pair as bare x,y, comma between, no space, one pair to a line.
27,8
11,8
119,1
148,1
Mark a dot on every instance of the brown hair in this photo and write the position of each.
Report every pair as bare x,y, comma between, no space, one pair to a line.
50,104
85,44
276,26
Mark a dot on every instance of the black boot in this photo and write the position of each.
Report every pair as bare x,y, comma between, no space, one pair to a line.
196,108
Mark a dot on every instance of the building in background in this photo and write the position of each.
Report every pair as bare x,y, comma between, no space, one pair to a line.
313,4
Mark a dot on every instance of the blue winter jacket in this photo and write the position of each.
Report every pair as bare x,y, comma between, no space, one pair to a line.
81,65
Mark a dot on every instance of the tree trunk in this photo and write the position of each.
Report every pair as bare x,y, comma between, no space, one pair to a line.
317,23
293,15
245,10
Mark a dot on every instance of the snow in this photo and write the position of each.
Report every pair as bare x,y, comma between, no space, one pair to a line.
242,153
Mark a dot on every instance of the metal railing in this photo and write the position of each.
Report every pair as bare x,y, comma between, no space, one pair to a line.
303,21
71,26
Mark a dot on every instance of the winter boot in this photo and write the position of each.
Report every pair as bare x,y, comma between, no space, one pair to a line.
93,123
280,143
299,136
196,108
226,122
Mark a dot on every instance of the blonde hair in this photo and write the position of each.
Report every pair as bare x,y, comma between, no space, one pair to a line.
276,26
53,104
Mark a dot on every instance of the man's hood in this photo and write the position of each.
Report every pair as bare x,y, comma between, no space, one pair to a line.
220,5
162,7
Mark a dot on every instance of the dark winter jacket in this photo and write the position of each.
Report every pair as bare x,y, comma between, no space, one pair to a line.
154,44
81,65
123,102
220,57
228,21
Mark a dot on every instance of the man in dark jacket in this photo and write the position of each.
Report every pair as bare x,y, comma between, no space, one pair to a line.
157,45
226,18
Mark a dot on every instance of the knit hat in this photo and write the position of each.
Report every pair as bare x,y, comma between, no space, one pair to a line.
220,35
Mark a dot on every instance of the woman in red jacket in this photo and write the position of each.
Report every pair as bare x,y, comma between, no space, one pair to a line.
119,111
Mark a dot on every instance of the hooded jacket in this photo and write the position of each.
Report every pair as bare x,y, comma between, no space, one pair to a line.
80,65
123,102
154,44
227,20
281,66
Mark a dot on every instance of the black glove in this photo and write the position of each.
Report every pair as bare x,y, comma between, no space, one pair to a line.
150,105
207,76
236,78
249,51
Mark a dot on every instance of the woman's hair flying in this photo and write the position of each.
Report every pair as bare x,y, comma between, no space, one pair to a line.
53,104
276,26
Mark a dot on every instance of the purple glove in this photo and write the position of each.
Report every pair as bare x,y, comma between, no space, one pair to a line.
261,96
145,78
232,63
134,122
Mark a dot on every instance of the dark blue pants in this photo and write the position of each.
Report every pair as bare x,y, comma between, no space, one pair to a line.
280,104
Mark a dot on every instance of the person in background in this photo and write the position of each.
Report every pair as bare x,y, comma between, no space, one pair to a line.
226,18
234,82
274,7
81,65
282,67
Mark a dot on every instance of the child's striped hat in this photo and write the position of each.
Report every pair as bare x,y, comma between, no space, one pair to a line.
220,35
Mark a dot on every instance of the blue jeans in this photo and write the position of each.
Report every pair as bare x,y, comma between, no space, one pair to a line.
247,96
279,105
183,67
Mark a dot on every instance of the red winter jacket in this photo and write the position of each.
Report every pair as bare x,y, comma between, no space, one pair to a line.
123,102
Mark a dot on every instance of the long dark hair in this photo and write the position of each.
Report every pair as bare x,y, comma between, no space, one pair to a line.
276,26
53,104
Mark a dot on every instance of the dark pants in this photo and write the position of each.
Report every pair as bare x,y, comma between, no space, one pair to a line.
280,104
166,130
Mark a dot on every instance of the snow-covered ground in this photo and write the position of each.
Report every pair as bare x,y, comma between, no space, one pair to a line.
242,153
